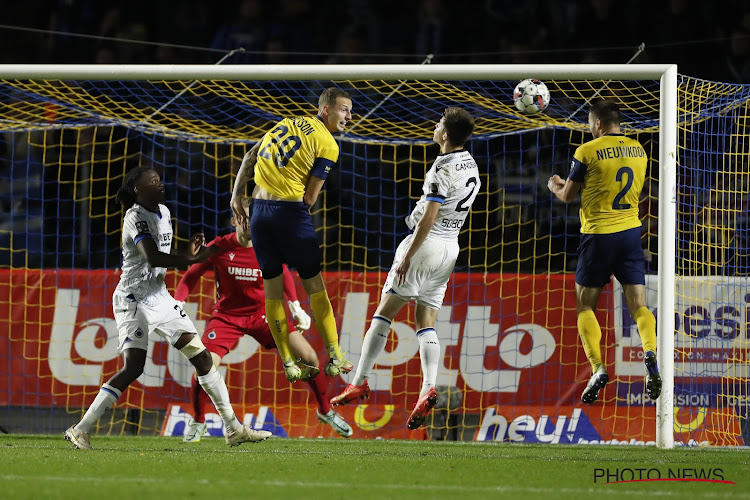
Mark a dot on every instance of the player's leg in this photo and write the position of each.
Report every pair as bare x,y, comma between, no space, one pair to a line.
438,258
268,222
594,271
177,329
373,344
199,396
133,328
590,333
302,350
302,252
635,296
325,322
630,272
589,329
190,345
197,427
429,356
222,334
429,346
304,354
279,324
134,361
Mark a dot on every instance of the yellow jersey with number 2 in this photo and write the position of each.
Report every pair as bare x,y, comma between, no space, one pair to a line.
612,169
294,149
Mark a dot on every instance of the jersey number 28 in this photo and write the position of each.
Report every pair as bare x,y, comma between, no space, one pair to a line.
287,145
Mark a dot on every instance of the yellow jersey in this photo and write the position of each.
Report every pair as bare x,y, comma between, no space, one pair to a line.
612,169
292,151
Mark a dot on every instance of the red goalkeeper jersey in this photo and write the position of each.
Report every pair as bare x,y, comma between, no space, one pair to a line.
239,282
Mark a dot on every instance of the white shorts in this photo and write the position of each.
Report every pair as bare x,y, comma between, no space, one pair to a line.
429,272
136,321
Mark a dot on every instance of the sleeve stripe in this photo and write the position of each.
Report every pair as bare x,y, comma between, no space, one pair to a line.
140,237
435,197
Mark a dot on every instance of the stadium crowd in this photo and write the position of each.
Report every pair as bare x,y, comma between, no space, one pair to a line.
704,41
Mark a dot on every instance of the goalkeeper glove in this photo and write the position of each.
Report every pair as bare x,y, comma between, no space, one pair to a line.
299,315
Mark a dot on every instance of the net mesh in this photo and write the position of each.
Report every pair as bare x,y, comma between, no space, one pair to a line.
512,366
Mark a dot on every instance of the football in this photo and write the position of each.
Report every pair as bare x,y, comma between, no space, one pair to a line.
531,96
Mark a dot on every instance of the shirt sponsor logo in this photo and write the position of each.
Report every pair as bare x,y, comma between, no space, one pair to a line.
244,273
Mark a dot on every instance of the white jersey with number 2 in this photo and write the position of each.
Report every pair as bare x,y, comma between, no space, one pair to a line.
453,181
138,278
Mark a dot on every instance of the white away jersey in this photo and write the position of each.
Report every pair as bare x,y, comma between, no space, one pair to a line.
454,182
138,277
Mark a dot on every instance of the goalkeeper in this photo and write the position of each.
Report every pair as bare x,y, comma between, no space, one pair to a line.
238,311
610,170
289,166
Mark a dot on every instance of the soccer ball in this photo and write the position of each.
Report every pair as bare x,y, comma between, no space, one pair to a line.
531,96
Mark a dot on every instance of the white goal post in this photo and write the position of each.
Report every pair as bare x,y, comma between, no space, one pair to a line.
665,73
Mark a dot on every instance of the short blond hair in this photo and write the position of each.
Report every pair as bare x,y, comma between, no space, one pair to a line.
329,96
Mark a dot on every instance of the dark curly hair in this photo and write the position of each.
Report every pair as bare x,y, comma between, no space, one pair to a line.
126,194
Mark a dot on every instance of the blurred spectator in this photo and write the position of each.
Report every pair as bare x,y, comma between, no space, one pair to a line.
430,28
737,58
247,29
350,50
292,30
105,55
276,51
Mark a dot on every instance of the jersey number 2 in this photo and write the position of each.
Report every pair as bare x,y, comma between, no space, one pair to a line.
628,172
281,137
460,205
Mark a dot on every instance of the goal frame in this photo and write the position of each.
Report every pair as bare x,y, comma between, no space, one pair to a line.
667,173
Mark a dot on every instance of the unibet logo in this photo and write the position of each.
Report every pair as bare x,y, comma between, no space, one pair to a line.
244,273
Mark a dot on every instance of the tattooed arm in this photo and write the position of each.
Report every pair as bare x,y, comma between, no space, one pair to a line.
246,172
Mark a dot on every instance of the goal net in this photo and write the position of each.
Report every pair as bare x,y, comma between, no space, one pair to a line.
512,368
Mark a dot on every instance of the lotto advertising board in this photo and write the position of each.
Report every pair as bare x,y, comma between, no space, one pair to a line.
509,345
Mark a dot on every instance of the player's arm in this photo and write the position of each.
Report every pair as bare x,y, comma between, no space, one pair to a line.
319,171
420,234
195,252
190,279
245,173
564,190
312,190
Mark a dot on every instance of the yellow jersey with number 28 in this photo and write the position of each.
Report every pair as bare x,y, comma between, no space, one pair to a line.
294,149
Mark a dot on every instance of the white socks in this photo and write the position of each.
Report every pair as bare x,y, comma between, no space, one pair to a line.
429,355
216,388
106,398
373,344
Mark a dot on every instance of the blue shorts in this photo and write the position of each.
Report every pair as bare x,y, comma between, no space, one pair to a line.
283,233
602,255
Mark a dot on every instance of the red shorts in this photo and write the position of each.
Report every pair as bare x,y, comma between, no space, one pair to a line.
224,331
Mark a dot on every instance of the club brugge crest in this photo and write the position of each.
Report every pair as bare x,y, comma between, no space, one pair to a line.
139,333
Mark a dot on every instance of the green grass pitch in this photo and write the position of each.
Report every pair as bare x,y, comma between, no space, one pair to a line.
163,468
